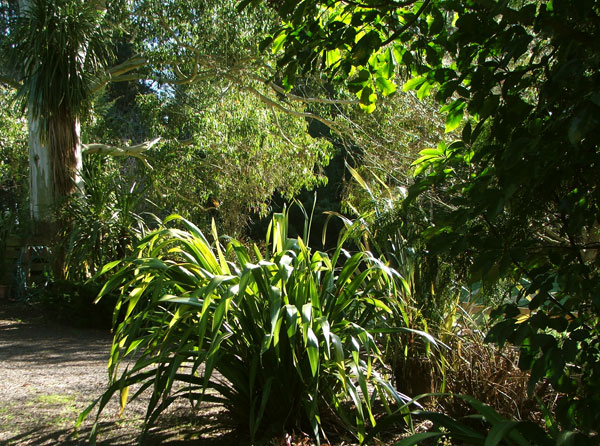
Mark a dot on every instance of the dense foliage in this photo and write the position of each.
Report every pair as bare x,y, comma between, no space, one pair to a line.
237,156
224,151
519,189
107,219
13,179
13,160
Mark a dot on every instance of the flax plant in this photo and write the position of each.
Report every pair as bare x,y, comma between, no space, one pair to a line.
282,338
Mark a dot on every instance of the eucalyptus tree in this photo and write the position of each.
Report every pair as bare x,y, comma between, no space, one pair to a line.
231,138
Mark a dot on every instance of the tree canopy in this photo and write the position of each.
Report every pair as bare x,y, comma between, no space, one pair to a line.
187,72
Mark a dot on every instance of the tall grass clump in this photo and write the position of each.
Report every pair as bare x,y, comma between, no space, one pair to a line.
283,338
427,297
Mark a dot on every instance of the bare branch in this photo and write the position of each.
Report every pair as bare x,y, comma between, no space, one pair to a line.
294,97
388,4
117,72
281,130
163,190
118,151
136,150
407,25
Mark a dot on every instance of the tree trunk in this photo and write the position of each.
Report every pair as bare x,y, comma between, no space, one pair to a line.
40,175
54,166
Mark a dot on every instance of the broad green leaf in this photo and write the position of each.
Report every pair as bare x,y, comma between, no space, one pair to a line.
215,282
266,393
350,266
110,285
455,112
312,348
362,50
278,42
219,313
109,266
291,317
487,411
338,348
359,179
326,334
437,152
332,57
222,260
379,304
457,429
307,313
354,349
385,86
414,83
275,322
368,108
501,431
362,382
134,297
354,394
367,96
123,394
133,346
423,90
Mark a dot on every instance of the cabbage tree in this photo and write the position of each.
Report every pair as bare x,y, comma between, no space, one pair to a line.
57,47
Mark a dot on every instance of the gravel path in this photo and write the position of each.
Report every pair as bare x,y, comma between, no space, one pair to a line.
50,373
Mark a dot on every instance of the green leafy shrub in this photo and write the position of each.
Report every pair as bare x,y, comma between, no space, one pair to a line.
102,223
493,429
427,297
284,339
105,220
72,303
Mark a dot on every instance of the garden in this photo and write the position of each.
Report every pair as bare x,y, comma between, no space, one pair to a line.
316,222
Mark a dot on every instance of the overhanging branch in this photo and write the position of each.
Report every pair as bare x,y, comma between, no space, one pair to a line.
136,150
116,73
296,98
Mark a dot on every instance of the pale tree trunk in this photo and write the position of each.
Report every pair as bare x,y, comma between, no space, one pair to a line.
53,175
54,166
45,195
40,175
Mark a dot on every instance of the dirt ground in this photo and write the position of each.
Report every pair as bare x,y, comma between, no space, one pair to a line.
50,373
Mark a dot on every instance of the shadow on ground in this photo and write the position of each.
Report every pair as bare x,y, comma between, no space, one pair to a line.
50,373
172,432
